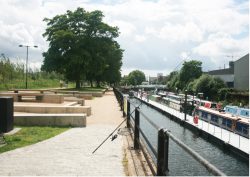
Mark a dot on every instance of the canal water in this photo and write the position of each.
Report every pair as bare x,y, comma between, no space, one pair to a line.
181,163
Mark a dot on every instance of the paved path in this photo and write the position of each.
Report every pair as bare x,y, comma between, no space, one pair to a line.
70,153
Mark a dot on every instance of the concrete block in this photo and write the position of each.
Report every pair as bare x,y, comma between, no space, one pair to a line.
80,101
53,109
52,98
74,120
84,96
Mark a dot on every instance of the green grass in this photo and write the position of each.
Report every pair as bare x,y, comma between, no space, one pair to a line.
32,84
30,135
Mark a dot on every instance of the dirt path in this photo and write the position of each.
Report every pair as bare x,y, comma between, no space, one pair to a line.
105,110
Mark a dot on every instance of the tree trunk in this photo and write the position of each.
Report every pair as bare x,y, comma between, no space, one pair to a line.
98,84
91,83
77,84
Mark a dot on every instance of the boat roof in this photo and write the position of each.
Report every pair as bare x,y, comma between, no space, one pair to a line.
224,114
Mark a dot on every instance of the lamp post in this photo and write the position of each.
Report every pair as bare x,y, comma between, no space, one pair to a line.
185,106
27,56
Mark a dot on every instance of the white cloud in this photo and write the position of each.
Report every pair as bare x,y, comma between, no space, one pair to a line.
177,32
153,33
140,38
219,44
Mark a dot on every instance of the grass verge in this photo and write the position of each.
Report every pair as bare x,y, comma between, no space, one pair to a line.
30,135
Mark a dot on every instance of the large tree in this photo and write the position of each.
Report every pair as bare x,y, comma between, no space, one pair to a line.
78,42
136,77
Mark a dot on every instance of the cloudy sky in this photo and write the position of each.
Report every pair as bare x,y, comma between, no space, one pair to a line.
157,35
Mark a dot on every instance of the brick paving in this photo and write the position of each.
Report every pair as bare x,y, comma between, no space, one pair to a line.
70,153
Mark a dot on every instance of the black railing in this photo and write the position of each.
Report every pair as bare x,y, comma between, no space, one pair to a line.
161,153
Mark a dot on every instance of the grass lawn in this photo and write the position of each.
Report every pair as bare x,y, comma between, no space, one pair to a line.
30,135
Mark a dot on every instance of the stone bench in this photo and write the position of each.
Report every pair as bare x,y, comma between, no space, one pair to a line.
74,120
53,109
80,101
28,90
44,98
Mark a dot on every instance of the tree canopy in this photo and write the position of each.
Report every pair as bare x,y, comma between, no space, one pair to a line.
82,47
136,77
190,70
208,85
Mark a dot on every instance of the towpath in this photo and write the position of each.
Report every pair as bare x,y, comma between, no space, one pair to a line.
70,153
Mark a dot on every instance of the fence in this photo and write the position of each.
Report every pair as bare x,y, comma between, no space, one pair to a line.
162,152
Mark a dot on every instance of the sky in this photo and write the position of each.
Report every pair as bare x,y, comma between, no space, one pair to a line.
157,35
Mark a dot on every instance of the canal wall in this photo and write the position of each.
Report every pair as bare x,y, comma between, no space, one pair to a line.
226,147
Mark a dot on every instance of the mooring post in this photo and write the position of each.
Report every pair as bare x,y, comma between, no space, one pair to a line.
160,153
128,114
137,131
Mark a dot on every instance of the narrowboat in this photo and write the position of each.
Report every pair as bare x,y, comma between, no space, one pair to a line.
232,118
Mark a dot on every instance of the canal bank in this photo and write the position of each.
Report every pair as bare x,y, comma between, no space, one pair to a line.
180,163
179,118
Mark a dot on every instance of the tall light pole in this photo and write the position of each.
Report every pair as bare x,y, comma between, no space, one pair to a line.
27,56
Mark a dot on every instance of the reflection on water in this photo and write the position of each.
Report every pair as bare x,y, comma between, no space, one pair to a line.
181,163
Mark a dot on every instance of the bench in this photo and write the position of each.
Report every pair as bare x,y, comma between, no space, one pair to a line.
29,90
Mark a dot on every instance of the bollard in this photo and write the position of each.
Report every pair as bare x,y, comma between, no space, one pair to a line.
162,153
137,131
128,114
6,114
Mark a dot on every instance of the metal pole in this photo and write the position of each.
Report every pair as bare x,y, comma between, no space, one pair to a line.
185,106
128,114
137,131
166,153
26,76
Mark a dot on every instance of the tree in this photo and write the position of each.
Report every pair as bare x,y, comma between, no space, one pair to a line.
190,70
136,77
78,45
209,86
172,79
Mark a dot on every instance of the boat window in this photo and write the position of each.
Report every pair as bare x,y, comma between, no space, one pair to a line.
214,118
204,114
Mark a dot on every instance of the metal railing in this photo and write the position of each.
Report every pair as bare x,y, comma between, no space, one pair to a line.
161,153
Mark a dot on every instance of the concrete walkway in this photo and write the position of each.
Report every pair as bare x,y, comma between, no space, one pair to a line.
70,153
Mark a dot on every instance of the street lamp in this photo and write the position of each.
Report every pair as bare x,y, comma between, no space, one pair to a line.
27,55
